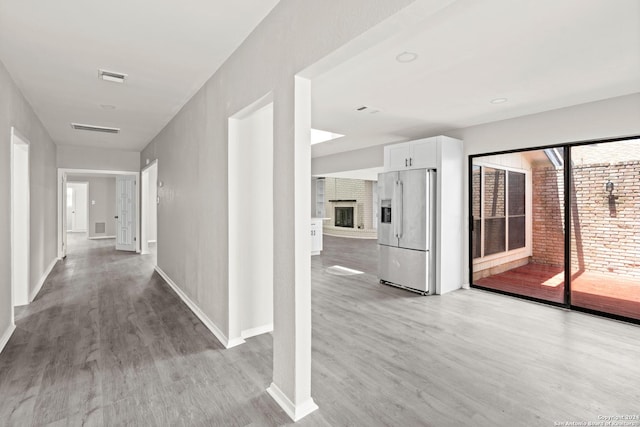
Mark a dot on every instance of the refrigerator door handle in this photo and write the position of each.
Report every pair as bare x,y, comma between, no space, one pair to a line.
394,209
400,199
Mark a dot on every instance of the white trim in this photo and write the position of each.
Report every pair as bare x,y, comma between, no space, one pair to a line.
199,313
43,279
21,140
101,237
151,241
248,333
296,413
150,164
6,336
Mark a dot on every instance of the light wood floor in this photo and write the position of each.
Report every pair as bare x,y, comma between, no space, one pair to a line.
107,343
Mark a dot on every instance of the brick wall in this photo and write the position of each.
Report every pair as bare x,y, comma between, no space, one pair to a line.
606,231
350,189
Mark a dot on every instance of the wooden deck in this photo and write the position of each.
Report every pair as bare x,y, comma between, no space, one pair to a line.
596,291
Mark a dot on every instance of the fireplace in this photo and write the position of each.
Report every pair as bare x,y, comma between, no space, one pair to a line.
344,216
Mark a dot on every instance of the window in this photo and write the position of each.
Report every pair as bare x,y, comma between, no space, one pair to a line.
498,209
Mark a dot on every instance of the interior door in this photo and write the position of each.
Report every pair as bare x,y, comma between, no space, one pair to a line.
126,212
413,195
80,207
63,215
71,203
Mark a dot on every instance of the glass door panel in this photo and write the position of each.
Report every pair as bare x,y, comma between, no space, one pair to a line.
517,235
605,224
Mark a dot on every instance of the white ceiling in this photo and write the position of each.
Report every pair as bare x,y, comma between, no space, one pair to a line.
53,50
541,55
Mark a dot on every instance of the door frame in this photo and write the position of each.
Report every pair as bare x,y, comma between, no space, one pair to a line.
568,193
18,139
144,206
62,177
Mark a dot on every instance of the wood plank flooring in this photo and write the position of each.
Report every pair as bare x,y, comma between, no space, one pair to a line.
608,293
107,343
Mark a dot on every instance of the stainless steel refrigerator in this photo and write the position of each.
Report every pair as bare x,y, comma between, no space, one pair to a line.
406,229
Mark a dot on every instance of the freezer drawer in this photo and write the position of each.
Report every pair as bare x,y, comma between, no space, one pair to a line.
405,267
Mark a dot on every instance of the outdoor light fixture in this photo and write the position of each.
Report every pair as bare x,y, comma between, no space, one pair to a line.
609,186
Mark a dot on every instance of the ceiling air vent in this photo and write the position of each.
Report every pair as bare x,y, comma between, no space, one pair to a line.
368,109
91,128
111,76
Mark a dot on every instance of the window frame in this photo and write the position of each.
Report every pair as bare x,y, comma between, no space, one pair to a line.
517,253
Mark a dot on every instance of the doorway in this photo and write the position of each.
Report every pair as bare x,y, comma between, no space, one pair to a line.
20,219
251,218
112,205
149,210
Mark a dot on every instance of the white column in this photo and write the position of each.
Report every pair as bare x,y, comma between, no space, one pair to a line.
291,386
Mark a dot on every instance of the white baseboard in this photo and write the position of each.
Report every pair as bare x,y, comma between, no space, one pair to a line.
466,286
101,237
248,333
6,336
198,312
43,279
296,413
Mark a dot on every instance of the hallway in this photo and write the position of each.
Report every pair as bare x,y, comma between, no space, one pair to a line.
106,342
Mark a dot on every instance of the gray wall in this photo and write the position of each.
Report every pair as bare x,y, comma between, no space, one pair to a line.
102,190
192,150
16,111
152,215
71,157
365,158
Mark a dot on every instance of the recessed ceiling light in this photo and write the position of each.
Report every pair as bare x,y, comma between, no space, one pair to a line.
318,136
107,107
499,100
405,57
93,128
111,76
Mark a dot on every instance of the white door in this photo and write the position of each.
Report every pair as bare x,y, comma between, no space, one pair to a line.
64,215
70,210
126,212
77,195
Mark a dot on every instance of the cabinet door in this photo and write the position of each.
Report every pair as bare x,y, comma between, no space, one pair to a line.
397,157
316,237
424,154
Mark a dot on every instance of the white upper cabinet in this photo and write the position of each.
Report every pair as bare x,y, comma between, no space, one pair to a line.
397,156
424,154
419,154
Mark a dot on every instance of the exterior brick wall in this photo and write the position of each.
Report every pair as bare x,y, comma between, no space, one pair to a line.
606,230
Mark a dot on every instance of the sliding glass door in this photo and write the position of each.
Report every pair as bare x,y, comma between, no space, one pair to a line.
517,225
605,220
518,242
